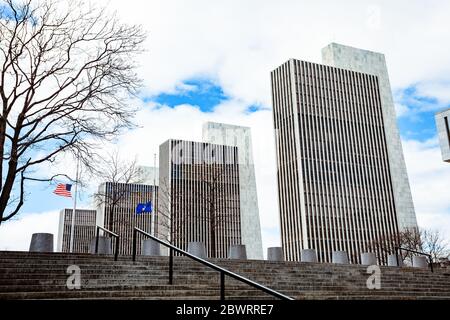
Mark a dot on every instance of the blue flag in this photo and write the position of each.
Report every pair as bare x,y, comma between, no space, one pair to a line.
144,208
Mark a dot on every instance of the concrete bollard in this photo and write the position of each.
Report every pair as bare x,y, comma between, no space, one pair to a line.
275,254
151,248
420,262
237,252
104,245
197,248
340,257
308,255
368,259
394,261
41,242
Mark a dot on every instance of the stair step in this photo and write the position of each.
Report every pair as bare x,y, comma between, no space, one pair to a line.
25,275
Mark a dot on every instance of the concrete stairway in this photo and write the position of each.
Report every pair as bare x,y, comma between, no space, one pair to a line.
26,275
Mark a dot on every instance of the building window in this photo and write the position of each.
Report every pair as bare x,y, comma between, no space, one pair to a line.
447,128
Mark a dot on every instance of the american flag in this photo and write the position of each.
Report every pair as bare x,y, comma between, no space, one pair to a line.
63,190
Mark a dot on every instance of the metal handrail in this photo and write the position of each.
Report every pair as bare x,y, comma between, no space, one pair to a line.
222,271
397,249
115,235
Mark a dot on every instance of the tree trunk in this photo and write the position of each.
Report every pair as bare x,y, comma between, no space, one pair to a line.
111,217
12,167
2,149
114,197
7,187
213,237
9,181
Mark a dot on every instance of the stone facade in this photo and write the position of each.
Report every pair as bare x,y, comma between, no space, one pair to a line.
334,183
359,60
240,137
116,211
148,175
199,195
84,230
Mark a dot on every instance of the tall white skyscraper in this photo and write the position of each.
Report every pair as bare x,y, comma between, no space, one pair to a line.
84,230
148,175
240,137
199,195
342,179
443,129
365,61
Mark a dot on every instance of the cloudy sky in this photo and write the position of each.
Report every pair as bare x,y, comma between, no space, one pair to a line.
211,60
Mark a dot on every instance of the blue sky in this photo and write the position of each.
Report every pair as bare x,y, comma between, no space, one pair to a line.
198,92
418,123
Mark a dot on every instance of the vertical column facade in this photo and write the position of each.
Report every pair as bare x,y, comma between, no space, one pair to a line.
334,180
238,136
203,202
374,63
117,211
84,230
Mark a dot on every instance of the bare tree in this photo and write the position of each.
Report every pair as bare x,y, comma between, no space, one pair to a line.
422,240
204,197
408,239
210,179
66,75
167,228
116,174
434,244
211,193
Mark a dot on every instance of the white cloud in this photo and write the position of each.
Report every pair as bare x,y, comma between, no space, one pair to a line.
16,234
426,97
401,110
271,238
435,89
430,184
237,43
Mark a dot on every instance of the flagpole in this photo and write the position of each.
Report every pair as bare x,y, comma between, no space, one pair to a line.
154,196
72,228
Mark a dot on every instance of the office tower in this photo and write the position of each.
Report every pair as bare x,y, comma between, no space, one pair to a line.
84,230
443,129
342,180
240,137
148,175
199,195
374,63
116,211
